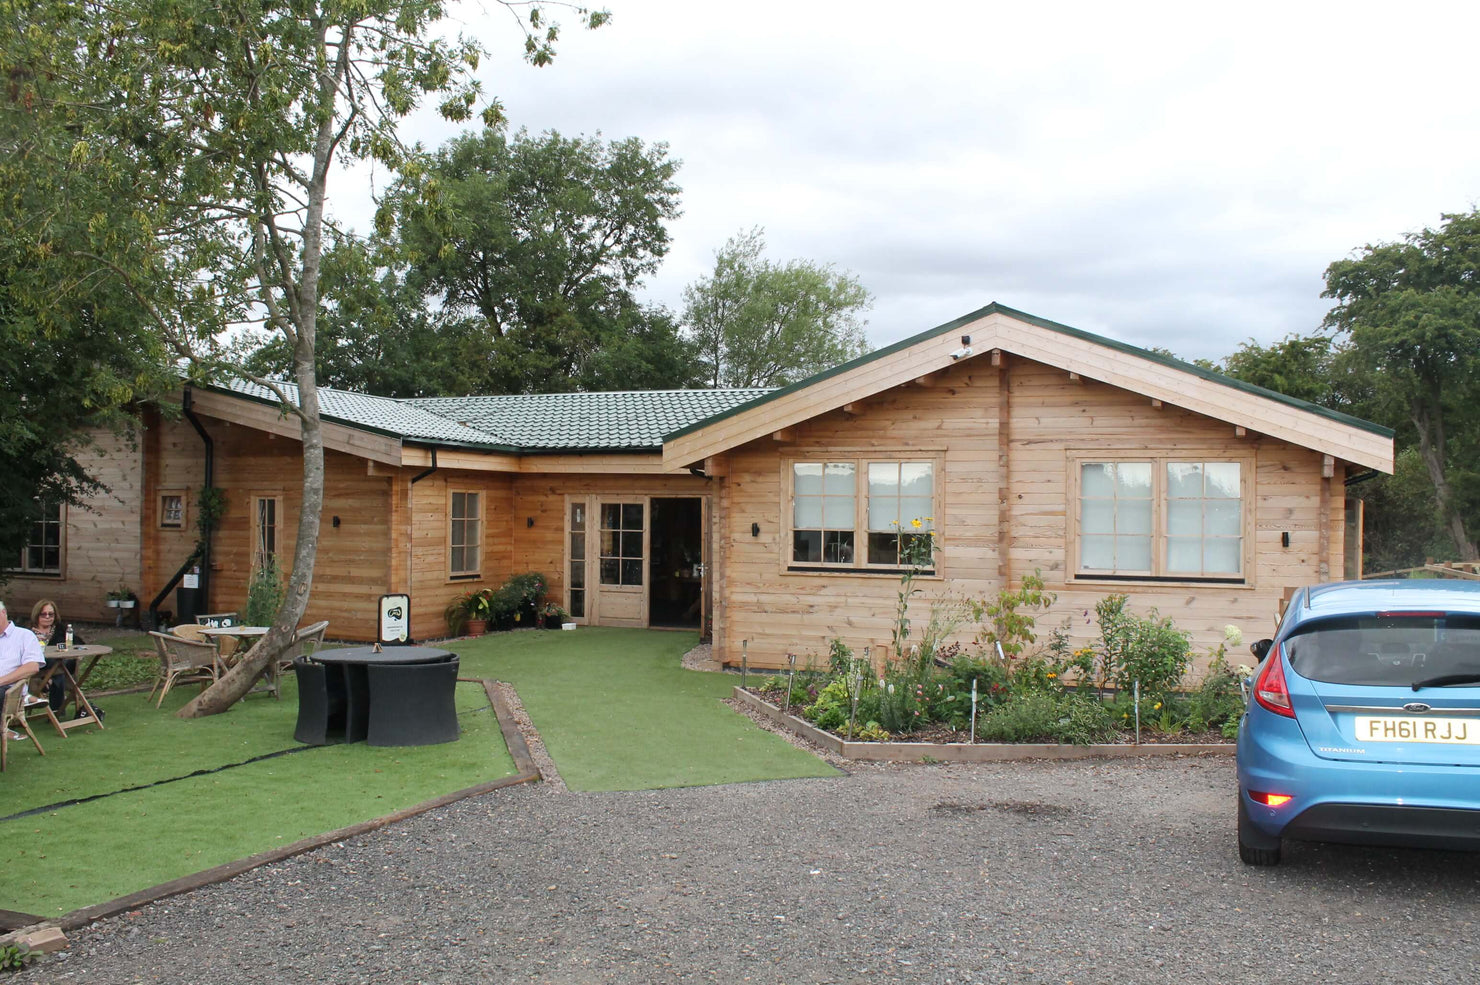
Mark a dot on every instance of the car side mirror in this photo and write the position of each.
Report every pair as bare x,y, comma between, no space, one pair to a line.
1260,648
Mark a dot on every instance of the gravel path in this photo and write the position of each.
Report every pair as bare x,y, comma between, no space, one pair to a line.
1034,872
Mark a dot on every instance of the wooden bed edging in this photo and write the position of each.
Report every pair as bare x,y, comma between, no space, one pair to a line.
518,751
970,752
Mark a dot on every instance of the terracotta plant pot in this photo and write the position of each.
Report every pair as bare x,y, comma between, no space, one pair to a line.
477,627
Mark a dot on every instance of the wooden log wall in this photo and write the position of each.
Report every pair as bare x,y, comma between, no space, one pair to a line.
1051,418
101,547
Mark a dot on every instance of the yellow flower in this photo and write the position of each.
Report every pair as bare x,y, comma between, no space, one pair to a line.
1156,707
1052,676
915,523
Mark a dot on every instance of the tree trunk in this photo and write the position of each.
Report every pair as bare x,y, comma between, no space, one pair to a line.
1431,451
299,325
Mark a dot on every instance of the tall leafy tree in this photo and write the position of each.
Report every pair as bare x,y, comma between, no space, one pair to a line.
1411,311
74,353
760,323
229,118
532,246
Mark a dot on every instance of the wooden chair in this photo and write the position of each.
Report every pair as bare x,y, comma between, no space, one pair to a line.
35,706
12,712
182,660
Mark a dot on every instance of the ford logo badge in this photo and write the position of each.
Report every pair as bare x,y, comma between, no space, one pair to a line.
1417,707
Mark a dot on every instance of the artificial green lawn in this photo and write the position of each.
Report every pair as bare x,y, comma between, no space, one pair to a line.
82,854
614,707
617,711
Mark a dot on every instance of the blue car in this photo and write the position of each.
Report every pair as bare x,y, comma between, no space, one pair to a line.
1363,722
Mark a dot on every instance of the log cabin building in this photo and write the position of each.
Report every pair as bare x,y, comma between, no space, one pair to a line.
775,517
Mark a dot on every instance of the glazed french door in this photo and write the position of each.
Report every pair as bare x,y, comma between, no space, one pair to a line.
607,554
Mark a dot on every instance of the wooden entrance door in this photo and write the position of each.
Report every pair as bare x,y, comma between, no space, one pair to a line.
620,592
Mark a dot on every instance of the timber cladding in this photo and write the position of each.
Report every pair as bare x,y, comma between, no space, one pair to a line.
101,546
352,569
1006,506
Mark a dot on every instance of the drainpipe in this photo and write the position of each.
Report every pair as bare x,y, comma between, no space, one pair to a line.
203,553
422,475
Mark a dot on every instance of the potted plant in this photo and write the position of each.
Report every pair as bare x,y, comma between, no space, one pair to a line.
470,613
552,616
121,597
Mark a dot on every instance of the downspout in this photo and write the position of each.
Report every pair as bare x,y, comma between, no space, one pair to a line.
202,553
411,534
422,475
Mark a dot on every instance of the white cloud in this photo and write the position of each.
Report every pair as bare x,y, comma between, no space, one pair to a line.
1164,173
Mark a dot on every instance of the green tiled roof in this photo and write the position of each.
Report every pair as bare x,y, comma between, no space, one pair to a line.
623,421
995,308
634,420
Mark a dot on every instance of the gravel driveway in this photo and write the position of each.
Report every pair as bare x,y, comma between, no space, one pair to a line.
1025,872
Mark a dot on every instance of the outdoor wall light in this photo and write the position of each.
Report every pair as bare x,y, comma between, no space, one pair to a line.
755,530
1285,539
529,521
336,523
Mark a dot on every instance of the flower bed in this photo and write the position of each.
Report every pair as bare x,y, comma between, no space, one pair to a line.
969,752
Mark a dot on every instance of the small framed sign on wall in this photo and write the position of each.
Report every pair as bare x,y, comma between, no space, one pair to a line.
395,619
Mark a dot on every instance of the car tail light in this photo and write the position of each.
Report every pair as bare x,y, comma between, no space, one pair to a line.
1270,690
1269,799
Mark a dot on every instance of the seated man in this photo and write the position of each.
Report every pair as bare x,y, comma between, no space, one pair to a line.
20,653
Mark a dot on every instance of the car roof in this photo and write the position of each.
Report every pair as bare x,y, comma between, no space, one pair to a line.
1384,595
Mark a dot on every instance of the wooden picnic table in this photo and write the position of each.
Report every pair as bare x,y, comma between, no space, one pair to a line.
61,655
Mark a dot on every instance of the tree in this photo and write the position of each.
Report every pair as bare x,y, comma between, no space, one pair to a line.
758,323
229,116
73,351
533,247
1411,311
376,334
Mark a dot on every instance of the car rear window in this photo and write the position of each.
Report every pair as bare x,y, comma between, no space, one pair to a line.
1384,649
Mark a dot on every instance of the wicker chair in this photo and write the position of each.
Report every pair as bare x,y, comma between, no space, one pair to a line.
305,643
182,660
12,712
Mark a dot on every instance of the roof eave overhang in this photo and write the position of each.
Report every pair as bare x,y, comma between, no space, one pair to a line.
1071,350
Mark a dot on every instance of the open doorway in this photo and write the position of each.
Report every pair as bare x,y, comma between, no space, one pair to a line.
676,566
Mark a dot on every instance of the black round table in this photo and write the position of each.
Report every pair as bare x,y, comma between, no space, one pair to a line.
394,696
365,655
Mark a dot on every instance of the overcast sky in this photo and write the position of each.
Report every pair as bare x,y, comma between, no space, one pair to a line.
1170,175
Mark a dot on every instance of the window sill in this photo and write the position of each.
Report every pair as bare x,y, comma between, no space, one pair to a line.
1171,580
807,569
475,576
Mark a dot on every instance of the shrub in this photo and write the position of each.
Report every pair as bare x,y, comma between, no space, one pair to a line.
1150,650
264,593
1044,717
830,708
1010,623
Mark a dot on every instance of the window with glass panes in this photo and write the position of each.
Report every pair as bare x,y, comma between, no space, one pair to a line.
1161,518
621,543
1115,521
1205,519
576,586
901,508
823,512
464,538
42,554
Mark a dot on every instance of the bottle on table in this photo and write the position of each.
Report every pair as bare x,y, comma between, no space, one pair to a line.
69,636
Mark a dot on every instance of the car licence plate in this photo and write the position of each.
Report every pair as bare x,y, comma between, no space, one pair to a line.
1391,728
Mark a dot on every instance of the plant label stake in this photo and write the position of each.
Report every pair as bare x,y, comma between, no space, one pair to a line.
857,686
791,676
972,737
744,663
1136,698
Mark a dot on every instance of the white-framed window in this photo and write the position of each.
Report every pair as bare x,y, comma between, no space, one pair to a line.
42,554
465,534
172,509
859,512
1171,517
